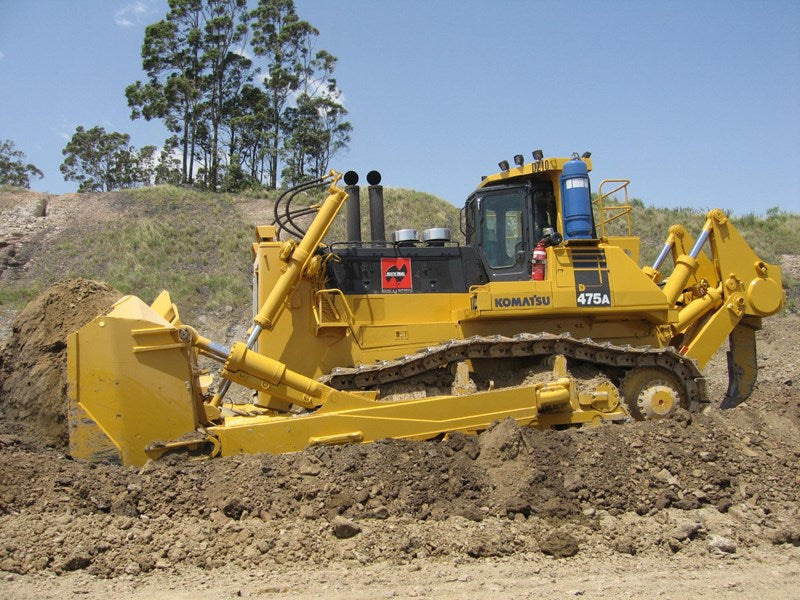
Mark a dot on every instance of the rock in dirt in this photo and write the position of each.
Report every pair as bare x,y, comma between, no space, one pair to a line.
344,528
234,509
722,544
75,562
787,535
517,506
685,531
559,544
33,361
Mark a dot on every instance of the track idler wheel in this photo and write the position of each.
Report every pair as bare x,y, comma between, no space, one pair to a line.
652,393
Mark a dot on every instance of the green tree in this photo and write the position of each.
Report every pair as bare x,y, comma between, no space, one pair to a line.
171,59
226,69
318,133
312,131
230,130
194,66
253,122
168,167
13,168
105,161
280,38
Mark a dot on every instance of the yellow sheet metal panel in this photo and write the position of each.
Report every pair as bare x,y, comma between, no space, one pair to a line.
757,280
411,335
418,308
266,233
630,287
630,245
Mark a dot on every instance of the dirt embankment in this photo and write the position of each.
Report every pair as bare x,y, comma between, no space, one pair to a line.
33,362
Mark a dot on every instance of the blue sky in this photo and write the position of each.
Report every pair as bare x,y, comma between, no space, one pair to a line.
696,102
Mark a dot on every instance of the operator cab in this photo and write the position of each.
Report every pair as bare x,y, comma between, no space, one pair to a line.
511,212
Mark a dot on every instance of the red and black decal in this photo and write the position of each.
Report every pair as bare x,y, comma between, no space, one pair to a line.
396,275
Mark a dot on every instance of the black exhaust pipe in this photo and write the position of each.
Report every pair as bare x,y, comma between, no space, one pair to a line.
353,206
376,222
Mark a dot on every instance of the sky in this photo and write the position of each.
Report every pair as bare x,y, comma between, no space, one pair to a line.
697,103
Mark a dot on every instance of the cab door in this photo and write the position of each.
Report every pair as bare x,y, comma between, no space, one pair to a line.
502,232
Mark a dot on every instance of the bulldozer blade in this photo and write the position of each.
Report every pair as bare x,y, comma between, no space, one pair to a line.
742,363
131,383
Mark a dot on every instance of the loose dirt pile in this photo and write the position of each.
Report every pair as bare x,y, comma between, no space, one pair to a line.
33,362
699,485
722,484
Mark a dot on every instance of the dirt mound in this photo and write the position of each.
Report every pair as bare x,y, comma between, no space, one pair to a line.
33,361
700,485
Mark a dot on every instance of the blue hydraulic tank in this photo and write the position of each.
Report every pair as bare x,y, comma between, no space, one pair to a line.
576,201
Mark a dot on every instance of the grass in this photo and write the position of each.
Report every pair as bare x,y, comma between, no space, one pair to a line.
770,236
194,244
197,244
777,233
17,296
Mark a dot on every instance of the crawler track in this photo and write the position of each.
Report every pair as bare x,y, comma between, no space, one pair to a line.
603,355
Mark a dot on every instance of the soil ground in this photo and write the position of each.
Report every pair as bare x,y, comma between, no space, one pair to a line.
705,505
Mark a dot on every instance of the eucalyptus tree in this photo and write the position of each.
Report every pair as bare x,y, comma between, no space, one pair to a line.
102,161
13,168
280,38
240,108
194,63
171,59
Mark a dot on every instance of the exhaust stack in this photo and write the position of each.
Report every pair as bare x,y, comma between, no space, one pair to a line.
353,206
376,221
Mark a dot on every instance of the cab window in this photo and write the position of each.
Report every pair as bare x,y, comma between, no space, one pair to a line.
501,227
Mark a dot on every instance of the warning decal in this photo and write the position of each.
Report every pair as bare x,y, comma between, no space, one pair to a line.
396,275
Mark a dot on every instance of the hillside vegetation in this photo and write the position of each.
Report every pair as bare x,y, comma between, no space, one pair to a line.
772,236
197,244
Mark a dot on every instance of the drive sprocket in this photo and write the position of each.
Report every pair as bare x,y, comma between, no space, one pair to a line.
652,393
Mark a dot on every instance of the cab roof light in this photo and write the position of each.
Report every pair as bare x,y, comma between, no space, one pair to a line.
503,164
586,154
519,160
538,155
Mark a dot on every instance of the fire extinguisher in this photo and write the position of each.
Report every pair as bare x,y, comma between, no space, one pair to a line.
538,262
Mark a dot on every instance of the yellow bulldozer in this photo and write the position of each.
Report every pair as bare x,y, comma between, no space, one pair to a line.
339,328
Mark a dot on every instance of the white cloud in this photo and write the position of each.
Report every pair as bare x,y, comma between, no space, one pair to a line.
131,14
243,52
66,129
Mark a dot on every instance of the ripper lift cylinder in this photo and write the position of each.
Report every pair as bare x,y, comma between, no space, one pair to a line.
698,307
685,267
